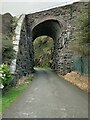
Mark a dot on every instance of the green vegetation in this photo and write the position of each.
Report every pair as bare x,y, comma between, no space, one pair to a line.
8,31
43,47
14,23
81,44
81,36
5,75
7,49
11,95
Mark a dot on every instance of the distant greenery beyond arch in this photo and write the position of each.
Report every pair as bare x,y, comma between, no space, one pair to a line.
43,50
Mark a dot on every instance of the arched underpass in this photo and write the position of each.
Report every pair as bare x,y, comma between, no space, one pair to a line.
45,98
51,28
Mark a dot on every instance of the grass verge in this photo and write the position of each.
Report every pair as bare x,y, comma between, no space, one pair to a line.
11,95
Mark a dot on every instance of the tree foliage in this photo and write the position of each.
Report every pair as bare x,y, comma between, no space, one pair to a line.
7,49
82,40
7,40
43,50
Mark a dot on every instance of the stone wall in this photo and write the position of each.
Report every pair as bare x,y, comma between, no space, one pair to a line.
24,64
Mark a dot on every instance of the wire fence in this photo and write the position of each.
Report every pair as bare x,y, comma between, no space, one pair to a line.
81,64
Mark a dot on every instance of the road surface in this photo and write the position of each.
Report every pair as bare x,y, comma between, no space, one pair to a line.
49,96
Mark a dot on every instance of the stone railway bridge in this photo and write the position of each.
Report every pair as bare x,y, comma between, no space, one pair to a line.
56,23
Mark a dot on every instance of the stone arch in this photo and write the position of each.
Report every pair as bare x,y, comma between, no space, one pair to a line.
50,27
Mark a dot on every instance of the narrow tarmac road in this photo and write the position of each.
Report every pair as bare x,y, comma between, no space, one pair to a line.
49,96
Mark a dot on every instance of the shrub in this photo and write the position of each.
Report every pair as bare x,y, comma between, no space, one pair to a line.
7,50
5,75
81,36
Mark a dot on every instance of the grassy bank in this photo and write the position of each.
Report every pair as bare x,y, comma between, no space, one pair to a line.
11,95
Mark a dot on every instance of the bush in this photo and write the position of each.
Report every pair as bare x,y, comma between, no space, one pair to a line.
8,32
7,50
81,36
5,75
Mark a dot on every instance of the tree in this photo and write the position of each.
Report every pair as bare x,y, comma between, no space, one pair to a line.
82,39
7,49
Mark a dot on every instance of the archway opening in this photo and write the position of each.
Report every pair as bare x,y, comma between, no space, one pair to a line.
44,34
43,52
